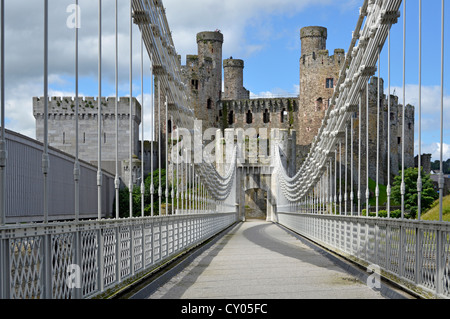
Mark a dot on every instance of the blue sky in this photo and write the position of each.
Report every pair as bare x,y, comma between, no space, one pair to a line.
264,33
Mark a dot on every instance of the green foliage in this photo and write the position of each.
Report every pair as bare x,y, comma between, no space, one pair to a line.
436,166
382,199
429,195
124,196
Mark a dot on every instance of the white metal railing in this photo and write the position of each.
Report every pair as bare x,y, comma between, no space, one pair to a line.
324,200
86,259
415,254
92,258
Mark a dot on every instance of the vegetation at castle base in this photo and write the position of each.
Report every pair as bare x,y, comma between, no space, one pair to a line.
429,195
166,203
124,197
291,113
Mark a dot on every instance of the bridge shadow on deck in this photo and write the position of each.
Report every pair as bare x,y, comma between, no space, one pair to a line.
177,281
212,249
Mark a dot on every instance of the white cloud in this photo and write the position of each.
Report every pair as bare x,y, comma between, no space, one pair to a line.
431,106
435,150
232,17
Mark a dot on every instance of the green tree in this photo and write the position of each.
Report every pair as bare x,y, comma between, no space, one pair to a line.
429,195
124,196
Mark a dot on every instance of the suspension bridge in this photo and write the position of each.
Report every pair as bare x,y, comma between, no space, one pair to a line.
84,256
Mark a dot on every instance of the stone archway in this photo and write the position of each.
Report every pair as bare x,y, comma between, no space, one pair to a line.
255,204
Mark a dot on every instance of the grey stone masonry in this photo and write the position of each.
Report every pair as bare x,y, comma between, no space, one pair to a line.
61,127
234,80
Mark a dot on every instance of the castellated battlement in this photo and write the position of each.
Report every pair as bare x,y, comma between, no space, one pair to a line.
88,106
322,58
314,32
210,36
261,105
233,63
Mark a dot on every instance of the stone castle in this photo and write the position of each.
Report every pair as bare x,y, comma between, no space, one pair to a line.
301,116
203,74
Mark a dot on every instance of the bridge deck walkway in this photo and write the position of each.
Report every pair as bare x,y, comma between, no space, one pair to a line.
260,260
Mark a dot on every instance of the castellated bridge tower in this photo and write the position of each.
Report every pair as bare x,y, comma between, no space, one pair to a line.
319,72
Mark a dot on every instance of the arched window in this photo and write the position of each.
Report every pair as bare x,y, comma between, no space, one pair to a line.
231,118
319,102
249,117
283,116
194,84
266,116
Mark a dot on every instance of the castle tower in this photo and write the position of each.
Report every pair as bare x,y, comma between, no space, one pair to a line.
319,73
62,135
313,39
234,80
209,66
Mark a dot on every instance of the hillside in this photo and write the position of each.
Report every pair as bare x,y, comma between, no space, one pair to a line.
433,212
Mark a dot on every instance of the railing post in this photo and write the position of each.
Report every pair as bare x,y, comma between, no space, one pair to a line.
100,261
401,249
5,274
439,262
418,257
47,273
78,291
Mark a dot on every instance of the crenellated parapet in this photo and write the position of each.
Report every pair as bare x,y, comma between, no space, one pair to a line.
88,107
261,105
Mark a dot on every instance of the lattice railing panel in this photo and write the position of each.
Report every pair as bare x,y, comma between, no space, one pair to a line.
89,256
148,244
428,269
125,251
393,248
446,261
62,251
26,267
109,256
409,253
382,245
138,247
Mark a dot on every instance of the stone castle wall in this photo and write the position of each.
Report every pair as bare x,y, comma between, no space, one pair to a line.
61,128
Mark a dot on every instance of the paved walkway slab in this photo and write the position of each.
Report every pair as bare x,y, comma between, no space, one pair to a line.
260,260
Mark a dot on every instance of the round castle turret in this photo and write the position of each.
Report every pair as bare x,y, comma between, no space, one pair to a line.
313,39
210,48
234,80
